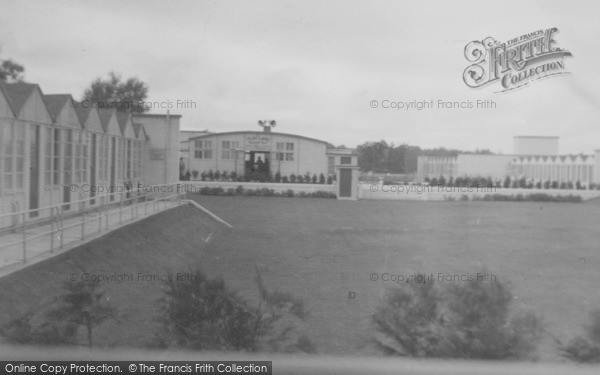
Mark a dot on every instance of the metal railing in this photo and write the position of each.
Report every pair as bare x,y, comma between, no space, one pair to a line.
82,218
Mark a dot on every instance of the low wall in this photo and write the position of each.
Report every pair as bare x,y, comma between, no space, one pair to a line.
195,186
440,193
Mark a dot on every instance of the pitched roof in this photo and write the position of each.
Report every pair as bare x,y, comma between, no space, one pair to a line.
136,129
83,112
18,93
105,115
56,102
122,118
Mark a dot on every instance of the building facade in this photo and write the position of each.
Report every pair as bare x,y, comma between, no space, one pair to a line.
249,152
536,160
54,150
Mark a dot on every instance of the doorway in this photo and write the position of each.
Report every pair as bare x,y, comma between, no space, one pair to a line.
258,166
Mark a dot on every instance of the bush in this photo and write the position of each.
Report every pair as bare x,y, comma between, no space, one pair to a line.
469,320
80,307
585,349
210,175
293,178
300,179
277,177
195,174
314,179
322,179
285,179
329,180
203,314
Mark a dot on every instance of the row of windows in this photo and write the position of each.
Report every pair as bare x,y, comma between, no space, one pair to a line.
203,150
13,155
66,156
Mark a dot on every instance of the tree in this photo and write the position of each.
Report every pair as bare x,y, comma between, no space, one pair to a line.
81,306
11,71
115,93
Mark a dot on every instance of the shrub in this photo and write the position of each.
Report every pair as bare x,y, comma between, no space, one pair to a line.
314,179
277,177
585,349
285,179
293,178
239,190
307,178
300,179
469,320
289,193
81,306
210,175
506,182
195,174
329,180
203,176
203,314
217,175
322,179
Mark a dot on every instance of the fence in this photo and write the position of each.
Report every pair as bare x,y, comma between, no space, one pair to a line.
49,228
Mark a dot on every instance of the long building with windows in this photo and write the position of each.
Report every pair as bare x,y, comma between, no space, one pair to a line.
55,150
256,154
535,159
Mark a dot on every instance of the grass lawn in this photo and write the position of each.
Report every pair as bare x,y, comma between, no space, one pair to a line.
322,249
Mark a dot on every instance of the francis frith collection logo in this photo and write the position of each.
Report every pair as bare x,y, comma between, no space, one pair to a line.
514,63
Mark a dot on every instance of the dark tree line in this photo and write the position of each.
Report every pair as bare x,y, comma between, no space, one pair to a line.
381,157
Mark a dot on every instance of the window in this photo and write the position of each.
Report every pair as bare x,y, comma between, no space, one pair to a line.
68,157
137,159
78,154
48,157
7,143
56,158
229,149
129,161
84,155
202,149
19,156
345,160
284,156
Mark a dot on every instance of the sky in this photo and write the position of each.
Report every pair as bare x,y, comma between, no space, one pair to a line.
317,66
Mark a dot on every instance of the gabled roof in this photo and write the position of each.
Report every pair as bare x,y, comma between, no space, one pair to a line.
83,112
136,129
105,116
56,102
18,93
122,119
6,98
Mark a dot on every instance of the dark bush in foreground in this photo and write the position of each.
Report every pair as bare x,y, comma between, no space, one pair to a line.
585,350
469,320
203,314
66,321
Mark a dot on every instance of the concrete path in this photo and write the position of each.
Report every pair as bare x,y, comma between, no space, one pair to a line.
54,237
